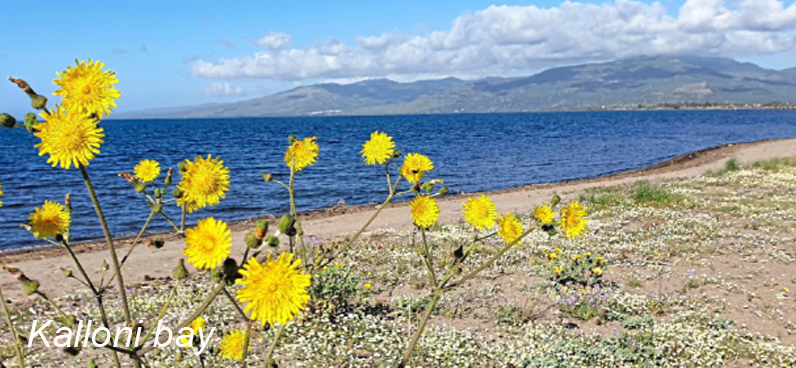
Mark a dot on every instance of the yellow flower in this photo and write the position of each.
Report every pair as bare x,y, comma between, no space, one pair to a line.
553,255
425,211
301,153
367,286
597,271
378,149
510,228
49,220
87,89
232,345
207,244
572,219
147,170
194,326
557,269
558,250
204,182
545,214
69,138
600,260
480,212
275,290
415,166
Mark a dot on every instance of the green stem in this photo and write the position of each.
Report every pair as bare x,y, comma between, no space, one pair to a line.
132,247
490,261
248,327
294,212
184,216
17,343
420,328
427,260
270,354
165,216
161,314
109,239
196,314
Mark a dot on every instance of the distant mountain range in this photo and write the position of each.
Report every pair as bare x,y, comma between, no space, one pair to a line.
622,83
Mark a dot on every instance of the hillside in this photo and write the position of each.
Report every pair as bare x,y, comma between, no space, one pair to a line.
622,83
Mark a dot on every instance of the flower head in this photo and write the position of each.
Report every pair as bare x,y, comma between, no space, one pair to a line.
302,153
544,214
558,269
232,345
553,255
480,212
204,182
572,219
70,138
367,286
195,325
425,211
49,220
147,170
378,149
415,166
597,271
87,89
275,290
207,244
510,228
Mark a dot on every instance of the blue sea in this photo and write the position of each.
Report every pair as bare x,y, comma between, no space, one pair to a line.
471,152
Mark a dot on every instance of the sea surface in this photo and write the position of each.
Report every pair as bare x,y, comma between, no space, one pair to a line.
471,152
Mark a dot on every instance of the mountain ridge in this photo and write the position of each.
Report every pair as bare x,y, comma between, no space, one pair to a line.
644,80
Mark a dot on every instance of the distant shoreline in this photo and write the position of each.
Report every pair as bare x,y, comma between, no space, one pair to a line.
787,107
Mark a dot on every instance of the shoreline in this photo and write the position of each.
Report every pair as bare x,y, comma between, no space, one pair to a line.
146,264
683,161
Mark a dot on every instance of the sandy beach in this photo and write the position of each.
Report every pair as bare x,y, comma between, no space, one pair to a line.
45,264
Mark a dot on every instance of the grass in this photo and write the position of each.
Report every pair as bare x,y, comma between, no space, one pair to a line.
654,195
602,197
731,165
774,165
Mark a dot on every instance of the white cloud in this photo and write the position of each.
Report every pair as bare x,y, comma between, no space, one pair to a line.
223,90
274,41
505,40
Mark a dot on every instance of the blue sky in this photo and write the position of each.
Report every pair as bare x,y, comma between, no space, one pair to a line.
175,53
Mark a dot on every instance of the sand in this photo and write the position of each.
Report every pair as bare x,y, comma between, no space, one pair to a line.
44,265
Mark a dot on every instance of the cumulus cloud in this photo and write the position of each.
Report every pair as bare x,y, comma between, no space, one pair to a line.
224,89
502,40
274,41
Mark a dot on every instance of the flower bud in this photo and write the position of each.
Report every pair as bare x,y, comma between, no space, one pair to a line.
8,121
31,121
286,224
230,270
105,265
169,175
252,241
140,187
428,187
272,241
556,199
268,177
180,272
291,139
444,190
38,102
67,273
181,166
91,364
156,243
550,229
261,229
271,363
29,286
396,153
177,193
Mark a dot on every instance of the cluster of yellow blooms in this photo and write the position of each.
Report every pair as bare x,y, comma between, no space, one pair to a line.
274,291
